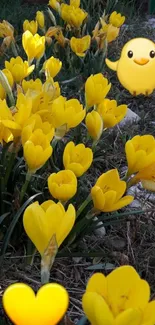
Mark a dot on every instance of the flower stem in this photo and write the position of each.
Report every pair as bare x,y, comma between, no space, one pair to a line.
14,49
25,186
9,165
83,205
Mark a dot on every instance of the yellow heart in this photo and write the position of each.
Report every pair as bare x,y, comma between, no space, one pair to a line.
25,308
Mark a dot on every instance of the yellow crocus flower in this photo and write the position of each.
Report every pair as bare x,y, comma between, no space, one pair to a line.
34,45
32,84
19,116
140,153
94,124
19,69
111,113
116,19
35,308
107,193
72,15
5,115
80,45
43,221
32,26
121,297
37,150
77,158
75,3
111,32
52,66
54,4
40,19
62,185
68,112
33,123
6,30
96,89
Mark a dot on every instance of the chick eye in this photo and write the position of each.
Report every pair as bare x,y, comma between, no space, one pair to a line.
130,54
152,54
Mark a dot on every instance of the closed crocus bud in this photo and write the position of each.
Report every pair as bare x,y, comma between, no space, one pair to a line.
116,19
102,306
43,221
94,125
34,46
80,45
62,185
37,150
75,113
111,113
77,158
72,15
107,193
40,19
54,4
19,69
32,26
140,152
10,80
96,89
52,67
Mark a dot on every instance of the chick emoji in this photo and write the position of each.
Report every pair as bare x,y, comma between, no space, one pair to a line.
136,66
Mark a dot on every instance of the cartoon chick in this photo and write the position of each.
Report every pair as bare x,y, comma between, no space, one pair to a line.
136,66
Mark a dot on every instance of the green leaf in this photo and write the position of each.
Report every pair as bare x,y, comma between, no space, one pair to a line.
3,216
82,321
12,226
101,266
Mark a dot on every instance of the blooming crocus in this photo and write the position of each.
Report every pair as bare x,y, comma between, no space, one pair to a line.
6,30
10,80
32,84
19,69
72,15
33,123
23,307
37,150
32,26
21,113
107,193
34,45
69,112
94,124
62,185
111,32
116,19
40,19
120,298
43,221
80,45
140,152
52,66
96,89
75,3
77,158
111,113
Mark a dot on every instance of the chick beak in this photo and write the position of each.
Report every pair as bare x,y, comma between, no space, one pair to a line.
141,61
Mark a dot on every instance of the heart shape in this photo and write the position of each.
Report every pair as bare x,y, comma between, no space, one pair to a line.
23,307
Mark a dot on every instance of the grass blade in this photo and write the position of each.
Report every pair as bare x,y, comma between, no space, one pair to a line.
13,224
